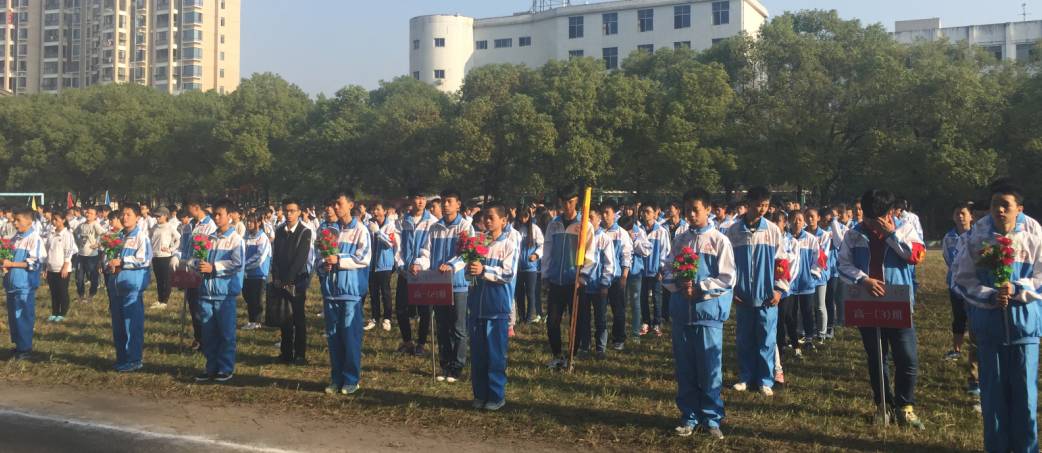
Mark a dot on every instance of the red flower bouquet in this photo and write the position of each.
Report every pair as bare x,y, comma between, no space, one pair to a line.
112,244
6,249
685,265
201,246
328,243
997,258
782,270
472,248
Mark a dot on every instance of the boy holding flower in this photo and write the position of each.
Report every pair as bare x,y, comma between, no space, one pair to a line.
223,270
998,270
127,263
23,257
442,247
699,271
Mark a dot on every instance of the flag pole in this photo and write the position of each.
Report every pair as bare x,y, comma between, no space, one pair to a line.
580,258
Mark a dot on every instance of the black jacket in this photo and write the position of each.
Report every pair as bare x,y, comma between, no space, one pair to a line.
289,256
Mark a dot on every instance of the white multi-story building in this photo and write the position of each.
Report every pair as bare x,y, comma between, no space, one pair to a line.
1008,41
445,47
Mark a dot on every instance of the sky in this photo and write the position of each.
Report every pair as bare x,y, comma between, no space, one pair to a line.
324,45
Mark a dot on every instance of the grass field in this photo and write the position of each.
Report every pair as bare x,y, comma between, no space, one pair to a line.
623,403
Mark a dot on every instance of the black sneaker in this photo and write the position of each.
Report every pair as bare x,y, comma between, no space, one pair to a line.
18,356
205,377
300,361
223,377
419,351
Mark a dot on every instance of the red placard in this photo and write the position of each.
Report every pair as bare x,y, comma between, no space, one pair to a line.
893,310
430,288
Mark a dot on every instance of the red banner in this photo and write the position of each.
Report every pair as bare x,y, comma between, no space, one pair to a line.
893,310
430,288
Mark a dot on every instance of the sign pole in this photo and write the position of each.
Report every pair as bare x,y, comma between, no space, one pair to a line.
580,259
882,376
434,346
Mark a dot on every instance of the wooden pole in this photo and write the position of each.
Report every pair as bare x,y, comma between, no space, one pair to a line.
580,258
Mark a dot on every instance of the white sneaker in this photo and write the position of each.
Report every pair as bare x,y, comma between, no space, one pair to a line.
451,379
369,324
766,391
741,387
158,306
684,431
386,325
440,378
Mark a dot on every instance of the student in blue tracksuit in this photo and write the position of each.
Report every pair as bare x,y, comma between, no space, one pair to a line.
344,279
803,287
962,216
223,272
414,225
127,277
623,245
200,225
596,277
489,313
386,247
651,283
21,281
699,309
258,264
757,244
558,267
1004,319
526,295
451,321
875,253
815,315
634,284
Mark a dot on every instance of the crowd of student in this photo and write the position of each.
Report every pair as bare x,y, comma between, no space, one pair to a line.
783,267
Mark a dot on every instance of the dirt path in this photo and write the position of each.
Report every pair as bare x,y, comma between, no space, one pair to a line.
223,427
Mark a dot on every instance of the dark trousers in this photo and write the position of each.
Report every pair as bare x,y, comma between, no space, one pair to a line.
404,311
958,313
806,304
161,267
831,294
294,343
902,344
380,294
192,298
452,334
87,270
617,302
599,304
651,293
788,323
59,293
559,297
252,289
526,296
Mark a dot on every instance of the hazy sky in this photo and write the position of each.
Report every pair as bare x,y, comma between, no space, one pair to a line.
323,45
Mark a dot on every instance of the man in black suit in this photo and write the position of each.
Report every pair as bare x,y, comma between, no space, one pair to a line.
289,271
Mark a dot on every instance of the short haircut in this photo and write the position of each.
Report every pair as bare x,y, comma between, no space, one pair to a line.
901,204
60,213
649,204
131,206
698,194
414,192
626,222
757,195
675,204
112,215
225,204
568,192
451,193
25,212
806,212
779,215
499,209
289,201
609,204
346,193
876,203
967,205
1006,186
193,201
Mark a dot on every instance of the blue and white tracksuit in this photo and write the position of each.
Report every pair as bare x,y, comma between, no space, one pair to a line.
623,245
651,287
20,286
443,248
809,273
558,267
698,325
819,312
1007,339
596,275
385,246
488,321
185,257
126,290
258,255
634,285
755,255
217,295
949,248
343,290
415,233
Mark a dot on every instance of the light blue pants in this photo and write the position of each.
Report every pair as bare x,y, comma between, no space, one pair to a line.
1009,396
488,361
697,353
127,310
21,315
756,338
217,317
344,334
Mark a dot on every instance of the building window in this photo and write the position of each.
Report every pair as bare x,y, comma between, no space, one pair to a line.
222,39
611,57
649,48
682,16
681,45
645,20
575,54
1025,52
415,44
191,18
524,41
222,55
191,53
162,54
439,74
189,35
721,13
439,42
416,75
222,21
481,45
575,27
611,23
501,43
221,73
994,50
717,40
